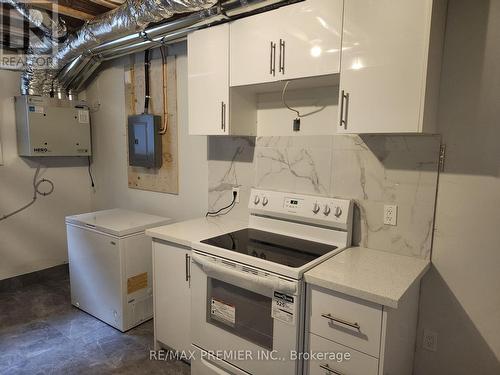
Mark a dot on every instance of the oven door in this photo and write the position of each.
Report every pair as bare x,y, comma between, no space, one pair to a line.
247,317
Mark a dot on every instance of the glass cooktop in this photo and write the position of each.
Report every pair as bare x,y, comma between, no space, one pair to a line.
277,248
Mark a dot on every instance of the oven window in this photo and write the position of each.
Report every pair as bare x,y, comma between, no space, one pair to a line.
241,312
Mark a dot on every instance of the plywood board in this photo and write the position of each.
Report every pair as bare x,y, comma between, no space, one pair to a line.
165,179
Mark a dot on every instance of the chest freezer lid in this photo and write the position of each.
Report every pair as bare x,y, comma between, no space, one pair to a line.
117,221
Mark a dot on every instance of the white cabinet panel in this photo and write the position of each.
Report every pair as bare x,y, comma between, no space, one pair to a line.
312,38
331,314
172,295
385,57
295,41
208,81
255,48
357,364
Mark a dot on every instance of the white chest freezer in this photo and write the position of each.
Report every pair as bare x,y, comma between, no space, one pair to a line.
110,264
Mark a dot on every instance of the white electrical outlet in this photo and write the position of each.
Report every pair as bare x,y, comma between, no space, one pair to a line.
429,341
237,191
391,214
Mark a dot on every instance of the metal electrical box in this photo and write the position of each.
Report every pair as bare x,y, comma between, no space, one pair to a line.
52,127
145,141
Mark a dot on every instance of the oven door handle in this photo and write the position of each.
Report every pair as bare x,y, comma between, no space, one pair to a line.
245,280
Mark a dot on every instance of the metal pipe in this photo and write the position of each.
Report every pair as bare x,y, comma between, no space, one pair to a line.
103,38
177,30
133,15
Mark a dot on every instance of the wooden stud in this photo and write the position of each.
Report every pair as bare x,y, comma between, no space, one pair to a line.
61,9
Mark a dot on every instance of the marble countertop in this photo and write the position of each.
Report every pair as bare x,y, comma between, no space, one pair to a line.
186,232
371,275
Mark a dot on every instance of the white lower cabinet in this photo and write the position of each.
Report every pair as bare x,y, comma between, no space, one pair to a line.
347,320
172,295
339,359
377,340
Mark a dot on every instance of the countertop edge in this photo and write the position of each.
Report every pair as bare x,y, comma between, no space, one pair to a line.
163,237
392,302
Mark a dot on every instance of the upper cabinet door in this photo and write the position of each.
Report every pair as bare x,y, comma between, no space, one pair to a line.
255,49
295,41
208,81
310,39
385,65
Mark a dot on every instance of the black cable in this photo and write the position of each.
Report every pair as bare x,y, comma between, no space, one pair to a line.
90,172
147,62
230,206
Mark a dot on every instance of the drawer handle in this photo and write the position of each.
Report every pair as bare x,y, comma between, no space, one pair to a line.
330,370
342,321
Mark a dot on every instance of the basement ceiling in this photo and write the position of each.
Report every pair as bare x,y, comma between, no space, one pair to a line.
73,13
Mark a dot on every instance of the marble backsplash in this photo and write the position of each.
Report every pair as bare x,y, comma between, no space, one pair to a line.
373,170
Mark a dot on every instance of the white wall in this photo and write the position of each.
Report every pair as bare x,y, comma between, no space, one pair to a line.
110,150
36,238
461,295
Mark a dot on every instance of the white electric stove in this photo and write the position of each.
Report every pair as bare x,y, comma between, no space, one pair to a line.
247,289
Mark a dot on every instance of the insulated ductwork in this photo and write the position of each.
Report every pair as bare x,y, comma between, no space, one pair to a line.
133,15
121,32
52,29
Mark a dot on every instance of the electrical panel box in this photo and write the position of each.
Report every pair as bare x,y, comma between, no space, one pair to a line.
52,127
145,141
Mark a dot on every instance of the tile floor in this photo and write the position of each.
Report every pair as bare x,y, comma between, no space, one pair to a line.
41,333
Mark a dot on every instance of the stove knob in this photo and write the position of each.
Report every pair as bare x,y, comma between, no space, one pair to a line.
256,200
327,210
265,201
338,211
316,208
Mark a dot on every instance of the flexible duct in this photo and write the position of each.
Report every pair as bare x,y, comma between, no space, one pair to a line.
109,36
169,32
133,15
52,29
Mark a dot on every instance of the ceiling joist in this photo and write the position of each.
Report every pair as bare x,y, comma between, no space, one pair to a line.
106,3
65,10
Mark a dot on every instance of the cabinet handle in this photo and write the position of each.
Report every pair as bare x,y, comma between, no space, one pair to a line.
272,59
344,104
223,116
330,370
341,321
282,56
188,267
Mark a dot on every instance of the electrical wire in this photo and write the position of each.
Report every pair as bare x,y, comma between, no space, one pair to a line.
164,83
147,96
230,206
90,172
36,192
299,115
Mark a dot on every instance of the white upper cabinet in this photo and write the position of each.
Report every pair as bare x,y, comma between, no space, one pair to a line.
295,41
311,39
213,108
208,81
254,48
391,54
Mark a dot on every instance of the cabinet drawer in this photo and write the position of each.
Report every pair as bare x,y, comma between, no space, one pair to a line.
357,364
346,320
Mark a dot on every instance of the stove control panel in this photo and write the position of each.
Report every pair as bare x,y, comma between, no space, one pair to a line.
298,207
292,203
